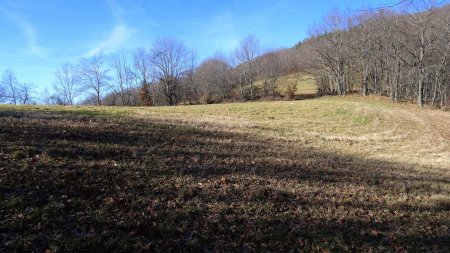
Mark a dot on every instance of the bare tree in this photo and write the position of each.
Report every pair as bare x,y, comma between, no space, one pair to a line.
67,84
123,78
24,93
94,75
419,27
2,93
329,53
270,69
440,70
10,84
246,54
335,53
362,48
392,53
214,75
142,65
143,71
191,87
171,61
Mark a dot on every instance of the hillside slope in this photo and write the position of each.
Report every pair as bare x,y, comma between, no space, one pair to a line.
325,174
306,86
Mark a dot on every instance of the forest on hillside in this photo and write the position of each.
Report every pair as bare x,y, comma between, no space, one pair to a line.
403,54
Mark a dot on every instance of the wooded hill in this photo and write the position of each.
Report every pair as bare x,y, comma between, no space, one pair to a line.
401,55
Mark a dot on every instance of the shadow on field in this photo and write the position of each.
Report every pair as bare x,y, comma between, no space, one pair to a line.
84,183
305,96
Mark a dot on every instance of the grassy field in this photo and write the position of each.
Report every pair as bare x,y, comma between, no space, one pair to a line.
321,175
305,84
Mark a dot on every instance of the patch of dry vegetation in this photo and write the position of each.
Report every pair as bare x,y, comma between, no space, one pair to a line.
328,174
303,85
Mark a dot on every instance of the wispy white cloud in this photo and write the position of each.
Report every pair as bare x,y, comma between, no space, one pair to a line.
116,10
118,35
113,42
27,29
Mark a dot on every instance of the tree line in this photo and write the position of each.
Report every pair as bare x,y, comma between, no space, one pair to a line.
164,74
401,55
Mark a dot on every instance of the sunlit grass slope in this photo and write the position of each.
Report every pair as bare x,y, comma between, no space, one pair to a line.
368,127
305,85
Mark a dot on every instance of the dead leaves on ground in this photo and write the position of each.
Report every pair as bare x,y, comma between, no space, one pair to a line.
127,184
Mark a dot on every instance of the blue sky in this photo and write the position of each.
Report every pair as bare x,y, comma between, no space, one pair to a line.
37,36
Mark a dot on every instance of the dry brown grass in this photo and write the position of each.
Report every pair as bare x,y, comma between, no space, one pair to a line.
327,174
305,84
